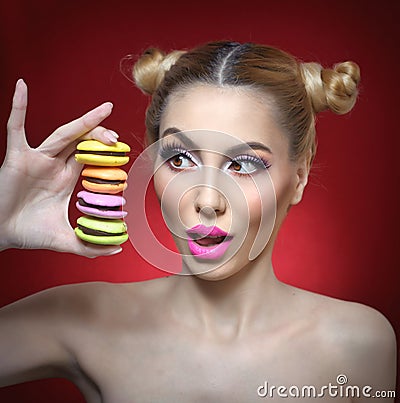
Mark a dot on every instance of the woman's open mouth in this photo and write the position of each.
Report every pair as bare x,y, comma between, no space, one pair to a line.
208,242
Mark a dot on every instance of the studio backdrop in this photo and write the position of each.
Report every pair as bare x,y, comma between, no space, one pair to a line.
341,240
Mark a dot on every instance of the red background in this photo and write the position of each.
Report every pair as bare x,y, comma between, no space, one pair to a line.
341,241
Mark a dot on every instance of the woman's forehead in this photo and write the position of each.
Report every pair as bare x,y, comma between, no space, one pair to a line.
229,100
233,111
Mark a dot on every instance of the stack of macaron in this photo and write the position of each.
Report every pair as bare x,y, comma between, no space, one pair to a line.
100,202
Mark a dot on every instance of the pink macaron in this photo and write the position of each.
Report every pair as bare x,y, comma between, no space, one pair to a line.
101,205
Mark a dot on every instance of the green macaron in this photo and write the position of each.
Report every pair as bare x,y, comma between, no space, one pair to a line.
101,231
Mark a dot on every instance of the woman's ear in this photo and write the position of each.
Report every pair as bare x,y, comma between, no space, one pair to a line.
303,169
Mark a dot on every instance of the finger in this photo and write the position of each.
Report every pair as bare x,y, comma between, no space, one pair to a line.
91,250
99,133
72,244
75,168
64,135
16,123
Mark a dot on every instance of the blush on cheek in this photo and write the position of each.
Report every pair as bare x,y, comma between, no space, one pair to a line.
260,196
284,196
160,182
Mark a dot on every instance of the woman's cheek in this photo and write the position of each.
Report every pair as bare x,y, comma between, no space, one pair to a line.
160,180
285,188
254,204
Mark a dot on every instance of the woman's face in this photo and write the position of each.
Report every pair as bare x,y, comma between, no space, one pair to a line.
224,179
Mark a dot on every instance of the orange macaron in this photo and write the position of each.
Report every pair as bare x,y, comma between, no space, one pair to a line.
104,180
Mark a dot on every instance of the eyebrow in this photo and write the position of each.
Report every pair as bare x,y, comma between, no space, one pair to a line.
174,130
254,145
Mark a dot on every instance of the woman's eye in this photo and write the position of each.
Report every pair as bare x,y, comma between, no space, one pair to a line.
244,167
180,161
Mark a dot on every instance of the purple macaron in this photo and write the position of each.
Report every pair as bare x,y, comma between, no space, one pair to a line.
101,205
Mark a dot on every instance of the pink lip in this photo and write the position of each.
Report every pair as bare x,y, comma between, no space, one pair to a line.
202,230
207,252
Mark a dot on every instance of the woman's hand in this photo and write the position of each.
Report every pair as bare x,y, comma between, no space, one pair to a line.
36,184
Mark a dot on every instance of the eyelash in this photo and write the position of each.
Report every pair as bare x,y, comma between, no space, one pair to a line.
169,151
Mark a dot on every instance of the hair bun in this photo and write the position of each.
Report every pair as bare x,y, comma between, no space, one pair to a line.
149,70
334,89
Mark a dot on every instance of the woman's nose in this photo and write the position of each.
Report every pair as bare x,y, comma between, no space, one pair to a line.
209,201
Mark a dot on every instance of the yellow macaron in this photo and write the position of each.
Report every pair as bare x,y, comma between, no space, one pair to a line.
93,152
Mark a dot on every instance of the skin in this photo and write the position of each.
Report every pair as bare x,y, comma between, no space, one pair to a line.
214,337
48,174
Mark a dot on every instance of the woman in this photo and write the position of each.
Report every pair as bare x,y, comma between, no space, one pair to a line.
233,128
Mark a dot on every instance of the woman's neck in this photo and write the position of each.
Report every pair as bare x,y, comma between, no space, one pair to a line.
227,308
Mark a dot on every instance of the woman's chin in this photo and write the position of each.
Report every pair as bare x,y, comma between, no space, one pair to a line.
212,271
215,275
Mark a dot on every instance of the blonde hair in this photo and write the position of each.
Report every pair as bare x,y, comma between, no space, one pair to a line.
298,90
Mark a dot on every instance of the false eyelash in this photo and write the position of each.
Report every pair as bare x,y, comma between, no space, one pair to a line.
169,150
261,162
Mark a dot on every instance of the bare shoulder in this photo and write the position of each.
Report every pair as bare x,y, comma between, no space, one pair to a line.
357,339
52,332
344,321
39,334
355,326
91,302
100,303
62,303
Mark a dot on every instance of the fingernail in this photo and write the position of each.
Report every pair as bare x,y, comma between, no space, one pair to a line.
105,109
19,83
110,136
109,104
113,133
114,252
